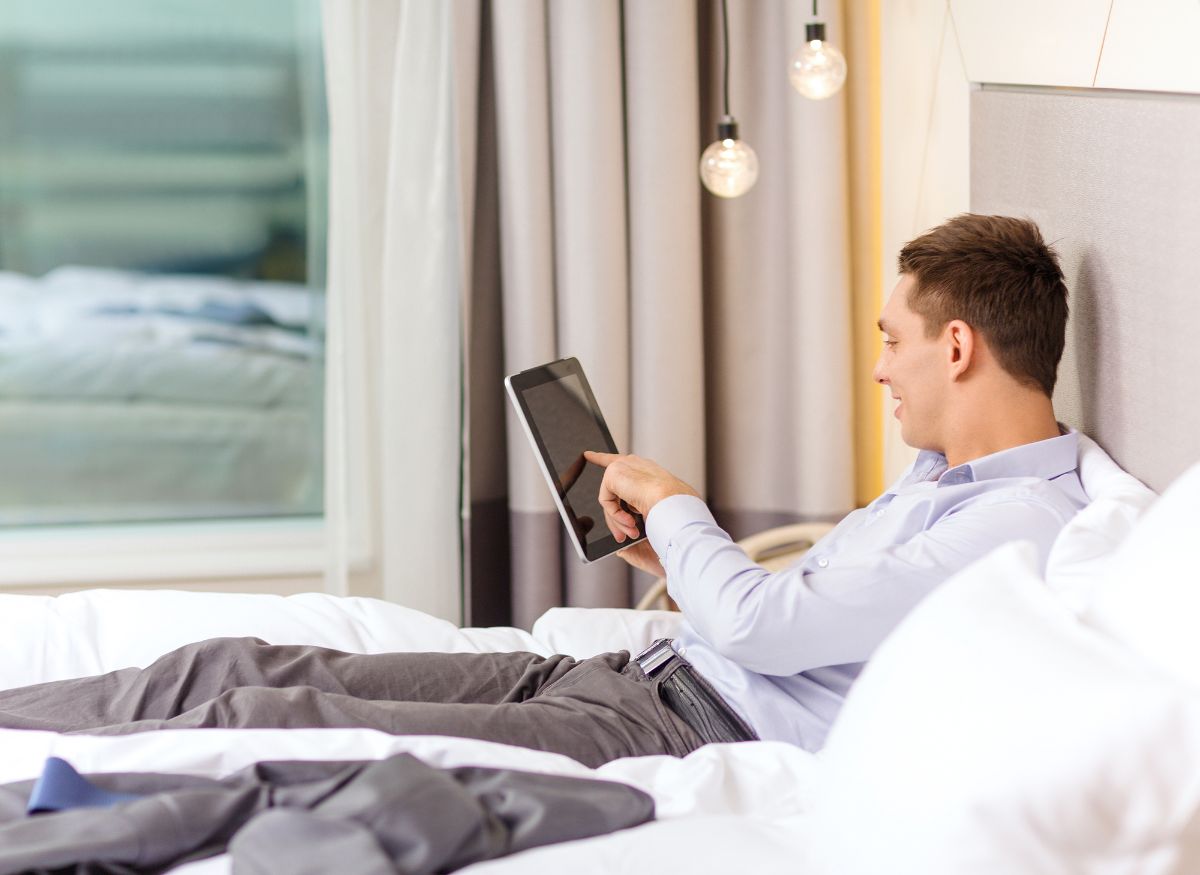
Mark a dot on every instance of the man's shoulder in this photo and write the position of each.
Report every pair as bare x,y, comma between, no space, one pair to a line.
1063,496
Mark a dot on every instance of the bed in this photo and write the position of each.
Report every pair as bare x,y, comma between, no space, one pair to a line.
934,757
202,393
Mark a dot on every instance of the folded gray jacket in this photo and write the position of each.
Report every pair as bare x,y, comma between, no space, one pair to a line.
353,818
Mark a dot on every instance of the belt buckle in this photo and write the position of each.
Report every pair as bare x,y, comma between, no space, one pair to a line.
656,656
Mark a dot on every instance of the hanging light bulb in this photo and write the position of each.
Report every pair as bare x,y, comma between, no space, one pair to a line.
818,69
728,167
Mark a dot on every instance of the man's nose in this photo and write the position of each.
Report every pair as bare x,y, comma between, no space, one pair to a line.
877,374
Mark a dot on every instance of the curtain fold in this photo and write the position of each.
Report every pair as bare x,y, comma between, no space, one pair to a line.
527,270
591,274
555,210
662,119
776,268
395,276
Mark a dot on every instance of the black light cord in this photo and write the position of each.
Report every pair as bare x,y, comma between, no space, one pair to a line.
725,37
814,8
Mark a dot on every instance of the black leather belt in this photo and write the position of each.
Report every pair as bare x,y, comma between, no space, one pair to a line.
687,694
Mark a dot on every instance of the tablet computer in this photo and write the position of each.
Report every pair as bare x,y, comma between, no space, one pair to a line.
561,419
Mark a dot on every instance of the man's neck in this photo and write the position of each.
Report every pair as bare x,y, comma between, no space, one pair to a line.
1004,426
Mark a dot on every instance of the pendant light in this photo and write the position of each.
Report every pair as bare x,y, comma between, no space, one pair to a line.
728,167
818,69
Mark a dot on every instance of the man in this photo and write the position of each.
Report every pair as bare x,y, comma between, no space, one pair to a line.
973,333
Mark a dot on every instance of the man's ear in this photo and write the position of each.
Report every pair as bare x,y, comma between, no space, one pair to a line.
960,347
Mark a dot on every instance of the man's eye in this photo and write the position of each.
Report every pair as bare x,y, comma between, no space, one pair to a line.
889,343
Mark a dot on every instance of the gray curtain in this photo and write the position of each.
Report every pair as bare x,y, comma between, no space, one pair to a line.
715,333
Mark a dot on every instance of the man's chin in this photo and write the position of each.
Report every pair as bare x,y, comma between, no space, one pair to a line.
916,441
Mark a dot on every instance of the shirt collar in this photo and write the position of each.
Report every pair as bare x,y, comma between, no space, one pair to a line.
1045,459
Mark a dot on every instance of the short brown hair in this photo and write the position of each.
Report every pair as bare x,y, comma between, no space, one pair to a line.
998,275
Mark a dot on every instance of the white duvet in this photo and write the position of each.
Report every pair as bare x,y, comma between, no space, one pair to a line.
94,335
723,807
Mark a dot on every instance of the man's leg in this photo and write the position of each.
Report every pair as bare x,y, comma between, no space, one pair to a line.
604,708
192,676
593,710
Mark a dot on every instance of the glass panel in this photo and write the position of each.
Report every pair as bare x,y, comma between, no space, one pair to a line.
162,260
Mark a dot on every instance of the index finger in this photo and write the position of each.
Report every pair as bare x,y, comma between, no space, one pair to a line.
601,459
611,503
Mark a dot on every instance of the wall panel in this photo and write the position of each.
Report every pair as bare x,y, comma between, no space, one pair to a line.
1104,176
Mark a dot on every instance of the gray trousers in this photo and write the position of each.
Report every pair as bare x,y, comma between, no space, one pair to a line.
593,710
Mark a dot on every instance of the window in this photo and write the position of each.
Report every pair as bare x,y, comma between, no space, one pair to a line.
162,247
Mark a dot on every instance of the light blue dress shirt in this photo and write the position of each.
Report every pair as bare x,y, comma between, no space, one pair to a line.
783,649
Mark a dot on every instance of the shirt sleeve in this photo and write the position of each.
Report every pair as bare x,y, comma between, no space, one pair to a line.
808,616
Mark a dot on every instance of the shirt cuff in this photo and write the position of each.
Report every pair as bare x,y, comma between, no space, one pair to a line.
671,515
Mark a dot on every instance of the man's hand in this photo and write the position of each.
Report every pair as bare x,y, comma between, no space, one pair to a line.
632,483
643,557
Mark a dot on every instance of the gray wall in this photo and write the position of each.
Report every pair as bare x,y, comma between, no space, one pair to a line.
1113,179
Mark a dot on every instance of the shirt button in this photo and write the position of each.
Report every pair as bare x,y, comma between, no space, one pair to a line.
822,562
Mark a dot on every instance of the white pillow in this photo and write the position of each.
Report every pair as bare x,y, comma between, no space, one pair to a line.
584,632
1086,543
1150,594
44,638
994,733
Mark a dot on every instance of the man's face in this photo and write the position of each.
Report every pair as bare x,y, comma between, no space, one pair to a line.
913,367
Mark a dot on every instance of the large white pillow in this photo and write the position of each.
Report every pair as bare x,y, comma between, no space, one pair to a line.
1086,544
995,733
1150,594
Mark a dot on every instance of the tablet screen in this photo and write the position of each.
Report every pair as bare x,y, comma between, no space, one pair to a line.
564,421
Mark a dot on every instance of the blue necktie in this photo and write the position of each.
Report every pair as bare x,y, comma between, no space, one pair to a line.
61,787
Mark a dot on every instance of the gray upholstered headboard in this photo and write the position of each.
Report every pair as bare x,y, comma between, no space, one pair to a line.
1113,179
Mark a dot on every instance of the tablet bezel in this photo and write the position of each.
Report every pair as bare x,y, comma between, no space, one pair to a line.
516,384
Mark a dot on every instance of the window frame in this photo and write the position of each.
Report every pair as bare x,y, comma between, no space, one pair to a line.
170,553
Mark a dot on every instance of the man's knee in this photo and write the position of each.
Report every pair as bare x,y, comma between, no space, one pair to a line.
259,708
240,707
221,654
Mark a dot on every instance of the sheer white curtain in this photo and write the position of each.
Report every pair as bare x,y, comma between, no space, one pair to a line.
396,260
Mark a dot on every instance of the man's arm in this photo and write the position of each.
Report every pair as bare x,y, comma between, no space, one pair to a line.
806,617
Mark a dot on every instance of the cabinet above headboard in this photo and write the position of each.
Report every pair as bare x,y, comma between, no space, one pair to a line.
1142,45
